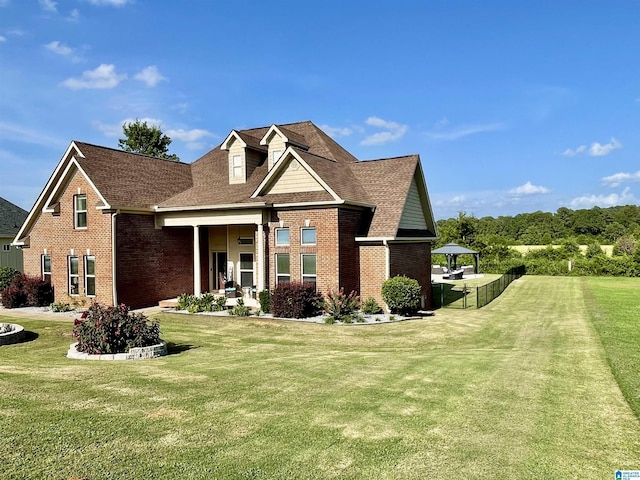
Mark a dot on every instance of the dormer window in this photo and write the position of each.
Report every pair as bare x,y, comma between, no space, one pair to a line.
80,211
237,166
275,156
245,154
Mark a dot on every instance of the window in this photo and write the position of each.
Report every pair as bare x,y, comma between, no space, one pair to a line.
309,268
276,156
308,236
246,269
282,236
6,247
74,281
90,275
46,268
245,241
80,211
237,166
283,268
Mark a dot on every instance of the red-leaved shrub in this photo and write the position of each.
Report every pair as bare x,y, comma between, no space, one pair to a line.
26,291
296,300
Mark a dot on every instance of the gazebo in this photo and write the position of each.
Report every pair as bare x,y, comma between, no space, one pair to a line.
452,250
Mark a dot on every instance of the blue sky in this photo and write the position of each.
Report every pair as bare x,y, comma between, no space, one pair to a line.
513,106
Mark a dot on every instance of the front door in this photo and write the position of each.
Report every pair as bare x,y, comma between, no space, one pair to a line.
219,270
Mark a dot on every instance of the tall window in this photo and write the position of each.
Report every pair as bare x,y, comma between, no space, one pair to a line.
282,236
90,275
283,268
80,211
74,281
309,268
246,269
237,166
308,236
46,268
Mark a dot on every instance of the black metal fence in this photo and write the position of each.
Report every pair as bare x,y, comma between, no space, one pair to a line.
462,296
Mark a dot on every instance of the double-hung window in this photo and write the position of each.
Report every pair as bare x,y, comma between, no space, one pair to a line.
46,267
237,166
80,211
283,268
74,280
90,275
308,236
246,269
309,268
283,237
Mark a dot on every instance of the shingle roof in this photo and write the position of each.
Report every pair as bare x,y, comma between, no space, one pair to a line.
11,218
132,180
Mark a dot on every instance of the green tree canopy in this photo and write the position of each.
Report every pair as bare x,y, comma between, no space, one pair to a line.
146,139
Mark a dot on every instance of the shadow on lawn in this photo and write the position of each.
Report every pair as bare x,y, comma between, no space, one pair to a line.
178,348
29,336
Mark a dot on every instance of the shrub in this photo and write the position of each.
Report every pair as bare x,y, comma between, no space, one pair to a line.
371,307
341,306
27,291
207,302
401,294
60,307
265,301
6,275
104,329
296,300
240,309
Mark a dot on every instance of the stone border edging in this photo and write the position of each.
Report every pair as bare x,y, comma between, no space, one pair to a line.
135,353
14,336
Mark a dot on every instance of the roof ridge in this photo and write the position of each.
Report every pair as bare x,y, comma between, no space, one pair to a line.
128,153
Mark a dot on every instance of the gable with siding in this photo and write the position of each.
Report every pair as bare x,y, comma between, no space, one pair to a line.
294,179
413,215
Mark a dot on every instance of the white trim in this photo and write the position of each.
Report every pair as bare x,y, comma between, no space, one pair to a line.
234,134
48,206
396,239
114,270
302,275
274,129
225,206
196,260
87,276
260,260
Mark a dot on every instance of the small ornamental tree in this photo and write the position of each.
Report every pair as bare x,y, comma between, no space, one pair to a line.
401,294
104,329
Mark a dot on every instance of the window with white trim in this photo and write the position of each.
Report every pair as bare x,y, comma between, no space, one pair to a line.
90,275
308,267
276,156
46,267
80,211
246,269
74,280
283,268
237,166
308,236
283,237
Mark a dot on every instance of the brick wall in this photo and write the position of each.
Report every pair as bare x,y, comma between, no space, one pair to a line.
153,264
372,271
414,261
349,252
56,235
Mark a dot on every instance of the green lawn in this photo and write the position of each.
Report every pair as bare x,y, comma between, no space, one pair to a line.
521,388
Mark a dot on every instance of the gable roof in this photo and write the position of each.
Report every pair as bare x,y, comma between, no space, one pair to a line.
11,218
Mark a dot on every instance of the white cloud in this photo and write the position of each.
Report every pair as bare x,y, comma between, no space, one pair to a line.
2,39
443,122
392,131
115,130
528,189
48,5
622,177
63,50
102,77
462,131
611,200
110,3
572,153
149,75
598,150
74,16
188,135
336,132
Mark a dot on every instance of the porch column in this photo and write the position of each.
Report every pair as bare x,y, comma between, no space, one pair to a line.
196,260
260,262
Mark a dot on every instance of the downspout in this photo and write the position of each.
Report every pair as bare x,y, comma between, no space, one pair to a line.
387,260
113,258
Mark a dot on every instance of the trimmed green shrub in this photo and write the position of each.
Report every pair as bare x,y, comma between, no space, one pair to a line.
6,275
371,307
240,309
26,291
60,307
265,301
402,294
296,300
104,329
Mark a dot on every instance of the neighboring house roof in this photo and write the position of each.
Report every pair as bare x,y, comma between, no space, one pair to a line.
133,182
11,218
452,249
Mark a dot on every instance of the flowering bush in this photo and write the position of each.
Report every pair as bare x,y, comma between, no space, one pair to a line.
341,307
104,329
296,300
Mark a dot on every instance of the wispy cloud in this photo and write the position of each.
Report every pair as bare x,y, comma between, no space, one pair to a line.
528,189
188,136
114,130
336,132
611,200
192,138
110,3
622,177
3,39
150,76
595,150
461,131
74,16
18,133
102,77
391,131
48,5
63,50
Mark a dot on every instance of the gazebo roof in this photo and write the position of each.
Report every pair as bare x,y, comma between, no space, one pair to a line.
453,249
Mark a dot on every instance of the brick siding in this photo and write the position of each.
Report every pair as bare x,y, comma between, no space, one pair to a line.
414,261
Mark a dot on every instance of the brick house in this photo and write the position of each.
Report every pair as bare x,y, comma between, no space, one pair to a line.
269,205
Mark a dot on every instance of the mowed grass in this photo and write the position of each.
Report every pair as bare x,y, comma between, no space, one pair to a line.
519,389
